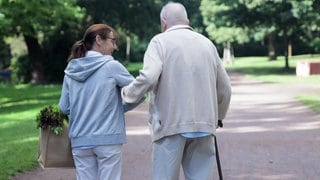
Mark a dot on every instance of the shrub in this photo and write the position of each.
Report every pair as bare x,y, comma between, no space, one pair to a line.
21,70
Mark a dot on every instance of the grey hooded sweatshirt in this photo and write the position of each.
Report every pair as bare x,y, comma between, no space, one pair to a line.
91,97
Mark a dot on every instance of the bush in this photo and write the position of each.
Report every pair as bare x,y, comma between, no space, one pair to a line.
5,55
21,70
134,68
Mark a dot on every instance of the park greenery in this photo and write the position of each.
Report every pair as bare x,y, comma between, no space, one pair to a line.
47,29
240,21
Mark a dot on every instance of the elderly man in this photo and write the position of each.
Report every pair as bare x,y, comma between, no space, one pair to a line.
189,92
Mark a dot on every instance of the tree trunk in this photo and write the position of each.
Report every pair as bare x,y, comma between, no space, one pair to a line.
35,55
289,49
286,51
128,48
271,47
228,55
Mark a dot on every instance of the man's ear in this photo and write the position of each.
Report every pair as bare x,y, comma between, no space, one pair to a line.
163,25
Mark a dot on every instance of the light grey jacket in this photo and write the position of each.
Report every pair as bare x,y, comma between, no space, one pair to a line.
91,96
190,89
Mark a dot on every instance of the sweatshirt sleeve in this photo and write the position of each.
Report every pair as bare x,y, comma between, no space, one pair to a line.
64,103
148,75
120,74
130,106
123,78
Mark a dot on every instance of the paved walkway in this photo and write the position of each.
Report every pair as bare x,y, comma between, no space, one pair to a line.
267,135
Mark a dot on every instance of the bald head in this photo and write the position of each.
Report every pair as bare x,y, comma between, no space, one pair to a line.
174,14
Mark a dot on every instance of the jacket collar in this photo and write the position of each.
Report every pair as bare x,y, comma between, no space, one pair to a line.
91,53
179,27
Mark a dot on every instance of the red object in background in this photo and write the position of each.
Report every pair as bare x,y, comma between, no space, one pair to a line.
305,68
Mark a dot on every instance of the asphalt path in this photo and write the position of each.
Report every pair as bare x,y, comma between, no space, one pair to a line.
267,135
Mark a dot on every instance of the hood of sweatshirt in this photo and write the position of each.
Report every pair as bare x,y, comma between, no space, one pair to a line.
81,68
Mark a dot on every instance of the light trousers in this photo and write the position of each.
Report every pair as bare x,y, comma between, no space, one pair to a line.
196,155
98,163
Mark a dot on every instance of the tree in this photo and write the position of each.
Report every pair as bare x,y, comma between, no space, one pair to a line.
262,18
220,28
309,31
33,19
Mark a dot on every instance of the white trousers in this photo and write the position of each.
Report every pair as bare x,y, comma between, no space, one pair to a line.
98,163
196,155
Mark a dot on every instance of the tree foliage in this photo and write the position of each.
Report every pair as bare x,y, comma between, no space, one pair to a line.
33,20
50,27
134,16
240,20
33,16
219,26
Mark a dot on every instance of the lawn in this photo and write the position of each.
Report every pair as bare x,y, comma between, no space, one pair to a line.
19,106
273,71
312,101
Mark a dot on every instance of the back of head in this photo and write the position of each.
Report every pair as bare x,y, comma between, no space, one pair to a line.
174,13
80,47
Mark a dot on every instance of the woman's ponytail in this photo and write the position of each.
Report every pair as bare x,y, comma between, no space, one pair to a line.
78,50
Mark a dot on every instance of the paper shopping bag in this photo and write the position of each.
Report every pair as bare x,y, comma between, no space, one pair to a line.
55,150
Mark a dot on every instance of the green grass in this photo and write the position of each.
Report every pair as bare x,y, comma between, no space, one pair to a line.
134,68
19,136
312,102
273,71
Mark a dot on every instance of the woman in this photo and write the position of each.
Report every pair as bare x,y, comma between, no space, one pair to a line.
91,97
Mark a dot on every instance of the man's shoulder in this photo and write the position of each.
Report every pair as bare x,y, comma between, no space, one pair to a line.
158,38
159,35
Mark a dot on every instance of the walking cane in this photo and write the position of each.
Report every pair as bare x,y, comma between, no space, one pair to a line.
220,124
